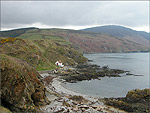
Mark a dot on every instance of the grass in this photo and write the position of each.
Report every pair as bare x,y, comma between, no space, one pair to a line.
42,66
52,37
4,110
43,53
44,35
31,36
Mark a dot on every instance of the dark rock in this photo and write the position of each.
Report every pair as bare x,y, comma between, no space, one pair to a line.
138,75
90,60
88,72
128,73
136,101
105,67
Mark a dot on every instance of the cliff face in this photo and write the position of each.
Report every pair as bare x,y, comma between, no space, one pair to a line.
21,87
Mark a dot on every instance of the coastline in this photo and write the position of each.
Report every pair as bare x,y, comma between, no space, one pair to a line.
61,89
63,95
67,100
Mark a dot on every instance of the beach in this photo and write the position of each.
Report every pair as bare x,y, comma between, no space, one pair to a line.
64,100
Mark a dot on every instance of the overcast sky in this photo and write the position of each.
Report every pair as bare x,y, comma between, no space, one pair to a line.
74,15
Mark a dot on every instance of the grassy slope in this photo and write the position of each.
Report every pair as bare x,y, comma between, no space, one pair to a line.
20,80
42,53
15,32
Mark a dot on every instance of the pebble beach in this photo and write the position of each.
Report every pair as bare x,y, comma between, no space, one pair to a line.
63,100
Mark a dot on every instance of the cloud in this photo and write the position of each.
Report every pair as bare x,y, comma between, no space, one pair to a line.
74,13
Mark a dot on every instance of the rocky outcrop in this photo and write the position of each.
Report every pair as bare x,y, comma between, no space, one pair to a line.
138,95
137,101
21,87
88,72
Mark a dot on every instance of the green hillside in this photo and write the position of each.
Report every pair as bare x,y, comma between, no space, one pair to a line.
41,53
21,87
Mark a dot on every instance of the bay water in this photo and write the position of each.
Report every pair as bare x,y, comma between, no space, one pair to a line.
136,63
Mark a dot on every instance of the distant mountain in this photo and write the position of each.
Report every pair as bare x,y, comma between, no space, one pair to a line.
144,34
89,42
118,31
15,32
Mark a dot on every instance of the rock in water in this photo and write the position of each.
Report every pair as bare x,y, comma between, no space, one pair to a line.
21,87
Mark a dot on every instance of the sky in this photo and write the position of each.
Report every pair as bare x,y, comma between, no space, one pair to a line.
74,14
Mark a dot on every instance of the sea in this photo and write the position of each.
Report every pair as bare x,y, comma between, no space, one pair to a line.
136,63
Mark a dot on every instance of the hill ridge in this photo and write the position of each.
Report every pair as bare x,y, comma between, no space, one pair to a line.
89,42
116,30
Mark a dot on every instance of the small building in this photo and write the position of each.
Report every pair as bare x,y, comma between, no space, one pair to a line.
59,64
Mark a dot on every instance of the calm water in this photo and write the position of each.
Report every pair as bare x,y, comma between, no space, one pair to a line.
137,63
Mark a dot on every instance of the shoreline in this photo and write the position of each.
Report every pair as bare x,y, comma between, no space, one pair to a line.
87,103
59,88
67,100
118,52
